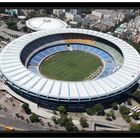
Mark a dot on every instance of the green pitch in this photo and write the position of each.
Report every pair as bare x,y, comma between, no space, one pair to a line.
70,65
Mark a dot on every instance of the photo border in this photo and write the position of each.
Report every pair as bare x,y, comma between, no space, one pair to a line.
54,134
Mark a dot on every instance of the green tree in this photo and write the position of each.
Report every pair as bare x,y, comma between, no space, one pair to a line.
99,109
55,119
12,25
134,127
67,123
62,109
108,117
90,111
34,118
112,113
26,108
32,14
70,126
62,120
124,110
83,122
135,116
126,118
114,106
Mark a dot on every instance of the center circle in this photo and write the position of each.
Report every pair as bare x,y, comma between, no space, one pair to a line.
73,65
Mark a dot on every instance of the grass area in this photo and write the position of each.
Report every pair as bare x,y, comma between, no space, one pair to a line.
70,65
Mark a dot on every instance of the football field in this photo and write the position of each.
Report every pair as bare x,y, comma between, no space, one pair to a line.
70,65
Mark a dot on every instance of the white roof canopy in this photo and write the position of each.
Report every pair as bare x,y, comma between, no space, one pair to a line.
13,69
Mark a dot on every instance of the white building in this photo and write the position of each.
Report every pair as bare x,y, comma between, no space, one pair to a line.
45,23
98,15
73,11
69,16
58,12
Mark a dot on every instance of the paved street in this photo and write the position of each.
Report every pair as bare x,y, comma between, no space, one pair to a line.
19,125
7,119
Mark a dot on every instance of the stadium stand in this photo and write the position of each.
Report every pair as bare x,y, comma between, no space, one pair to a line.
109,64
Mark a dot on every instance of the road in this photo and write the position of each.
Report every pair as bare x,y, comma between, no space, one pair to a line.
19,125
7,119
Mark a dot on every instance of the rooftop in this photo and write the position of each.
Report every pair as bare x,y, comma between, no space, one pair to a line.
45,23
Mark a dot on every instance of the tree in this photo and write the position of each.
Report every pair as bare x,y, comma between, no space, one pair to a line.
129,101
70,126
27,120
112,113
83,122
34,118
26,108
67,123
135,116
99,109
115,106
32,14
12,25
61,109
124,110
126,118
62,120
55,119
17,115
90,111
134,127
108,117
22,117
2,10
25,29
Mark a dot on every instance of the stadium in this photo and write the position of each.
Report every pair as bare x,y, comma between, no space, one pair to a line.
72,67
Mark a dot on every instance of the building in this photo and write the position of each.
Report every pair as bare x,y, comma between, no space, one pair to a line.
137,22
58,12
45,23
120,74
69,16
73,12
97,15
12,12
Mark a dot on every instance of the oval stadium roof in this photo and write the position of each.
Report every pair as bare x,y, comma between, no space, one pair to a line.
16,73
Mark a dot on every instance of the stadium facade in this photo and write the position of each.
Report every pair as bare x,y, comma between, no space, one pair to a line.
20,60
